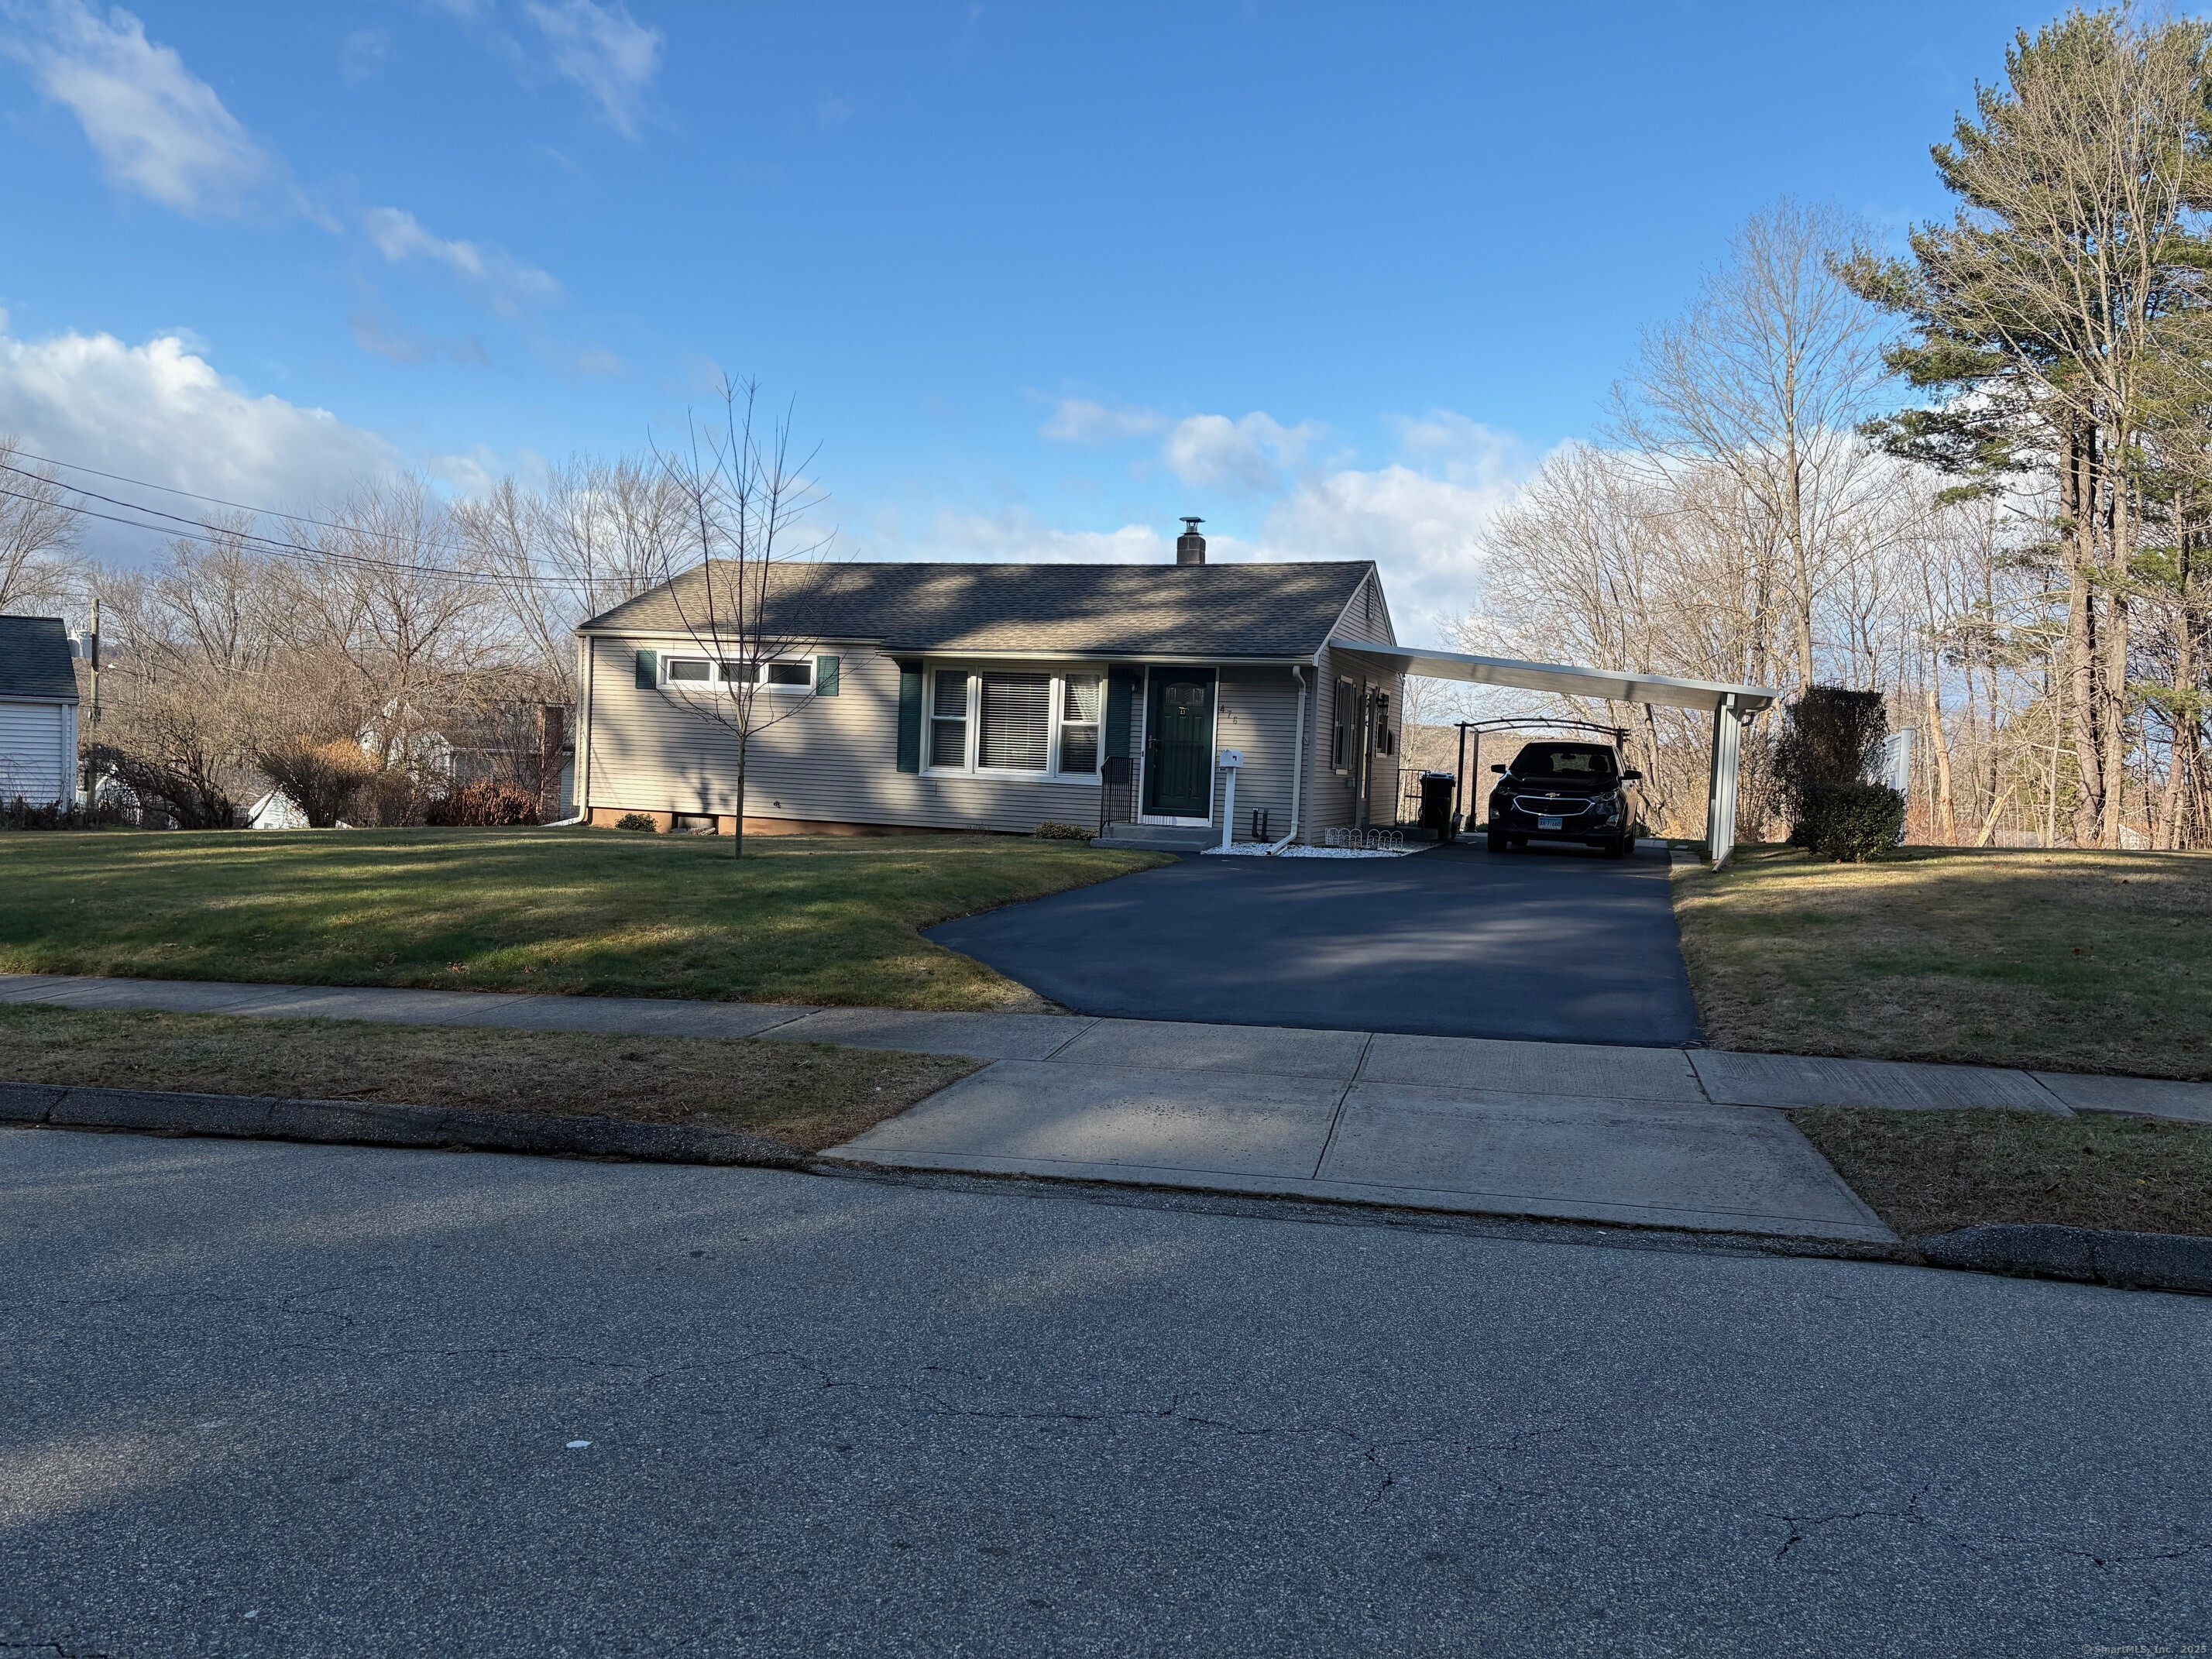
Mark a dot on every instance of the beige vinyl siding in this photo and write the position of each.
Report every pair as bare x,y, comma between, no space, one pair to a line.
38,751
1259,712
1366,620
831,760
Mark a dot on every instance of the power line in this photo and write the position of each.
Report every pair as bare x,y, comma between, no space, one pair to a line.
184,529
170,489
282,550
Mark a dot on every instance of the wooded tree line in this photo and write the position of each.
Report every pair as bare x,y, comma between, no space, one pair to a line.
366,656
2017,558
374,657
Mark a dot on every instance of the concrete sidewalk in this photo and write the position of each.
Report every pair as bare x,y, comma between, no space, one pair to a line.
1687,1075
1664,1137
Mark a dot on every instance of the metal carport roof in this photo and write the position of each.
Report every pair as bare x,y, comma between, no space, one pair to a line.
1732,707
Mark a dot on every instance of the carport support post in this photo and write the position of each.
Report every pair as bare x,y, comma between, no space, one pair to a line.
1720,800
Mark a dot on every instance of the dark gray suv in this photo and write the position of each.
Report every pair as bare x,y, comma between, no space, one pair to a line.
1577,792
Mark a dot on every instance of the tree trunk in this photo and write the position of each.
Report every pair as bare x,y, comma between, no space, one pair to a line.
2080,553
738,818
1947,810
2112,691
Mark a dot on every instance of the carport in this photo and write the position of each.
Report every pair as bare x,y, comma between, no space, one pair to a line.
1732,708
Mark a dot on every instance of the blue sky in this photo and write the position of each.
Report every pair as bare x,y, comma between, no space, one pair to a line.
1040,278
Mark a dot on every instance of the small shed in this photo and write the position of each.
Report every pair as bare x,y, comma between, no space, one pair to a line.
38,711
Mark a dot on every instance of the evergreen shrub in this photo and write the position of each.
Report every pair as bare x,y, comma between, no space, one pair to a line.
1850,823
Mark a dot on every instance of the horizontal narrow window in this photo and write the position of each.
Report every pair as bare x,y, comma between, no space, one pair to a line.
740,674
790,673
1016,722
696,670
1078,724
948,718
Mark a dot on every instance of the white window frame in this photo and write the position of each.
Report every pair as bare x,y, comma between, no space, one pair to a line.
668,662
719,678
1057,680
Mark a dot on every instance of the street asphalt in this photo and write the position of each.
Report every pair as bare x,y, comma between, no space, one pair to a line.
278,1400
1552,944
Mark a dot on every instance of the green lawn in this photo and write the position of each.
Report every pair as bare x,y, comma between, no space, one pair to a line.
2081,962
799,919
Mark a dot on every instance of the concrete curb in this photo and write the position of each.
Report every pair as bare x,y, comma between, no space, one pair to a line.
369,1124
2084,1255
2123,1261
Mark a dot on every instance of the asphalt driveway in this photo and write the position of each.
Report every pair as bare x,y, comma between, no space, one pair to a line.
1555,946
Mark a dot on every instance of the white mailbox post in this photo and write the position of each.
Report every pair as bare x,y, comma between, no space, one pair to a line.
1229,759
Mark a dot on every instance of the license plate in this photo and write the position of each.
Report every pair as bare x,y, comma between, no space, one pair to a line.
1549,823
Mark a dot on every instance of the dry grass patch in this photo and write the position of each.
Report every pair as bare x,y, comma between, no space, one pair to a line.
806,1095
1930,1172
2078,962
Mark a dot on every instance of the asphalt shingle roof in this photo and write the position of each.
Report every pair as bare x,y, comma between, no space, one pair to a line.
1105,610
34,658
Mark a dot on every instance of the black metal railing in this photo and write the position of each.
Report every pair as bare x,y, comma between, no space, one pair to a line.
1117,802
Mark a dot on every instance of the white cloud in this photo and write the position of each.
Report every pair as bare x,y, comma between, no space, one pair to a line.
1016,535
162,131
1079,421
603,50
1467,451
1420,516
158,129
1422,523
367,52
400,236
160,412
831,109
1214,451
376,332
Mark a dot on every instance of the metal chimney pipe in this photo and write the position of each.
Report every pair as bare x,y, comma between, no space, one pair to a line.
1190,546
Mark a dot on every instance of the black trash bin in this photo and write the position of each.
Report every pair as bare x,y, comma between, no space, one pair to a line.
1437,803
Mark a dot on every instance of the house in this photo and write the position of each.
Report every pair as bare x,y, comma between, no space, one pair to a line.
38,712
1001,697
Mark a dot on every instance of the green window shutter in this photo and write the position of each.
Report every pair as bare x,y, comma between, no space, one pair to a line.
648,670
825,676
909,726
1121,693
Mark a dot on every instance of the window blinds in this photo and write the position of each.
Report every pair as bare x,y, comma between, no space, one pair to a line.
1017,734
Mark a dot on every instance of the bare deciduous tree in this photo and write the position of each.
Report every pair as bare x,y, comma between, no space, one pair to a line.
730,569
39,527
1763,382
594,535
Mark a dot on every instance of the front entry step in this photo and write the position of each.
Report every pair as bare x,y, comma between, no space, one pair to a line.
1158,837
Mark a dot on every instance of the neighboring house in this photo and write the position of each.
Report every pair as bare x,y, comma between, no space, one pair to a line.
274,811
1002,696
38,711
515,743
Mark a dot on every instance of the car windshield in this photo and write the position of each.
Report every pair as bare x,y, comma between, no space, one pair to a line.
1582,762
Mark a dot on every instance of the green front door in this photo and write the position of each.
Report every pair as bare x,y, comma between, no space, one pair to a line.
1179,742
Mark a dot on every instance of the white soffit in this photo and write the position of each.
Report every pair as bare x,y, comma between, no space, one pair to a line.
1611,685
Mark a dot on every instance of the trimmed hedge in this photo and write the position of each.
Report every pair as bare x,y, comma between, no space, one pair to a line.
1850,823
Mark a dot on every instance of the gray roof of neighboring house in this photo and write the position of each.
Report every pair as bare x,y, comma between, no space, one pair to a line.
34,658
1266,611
